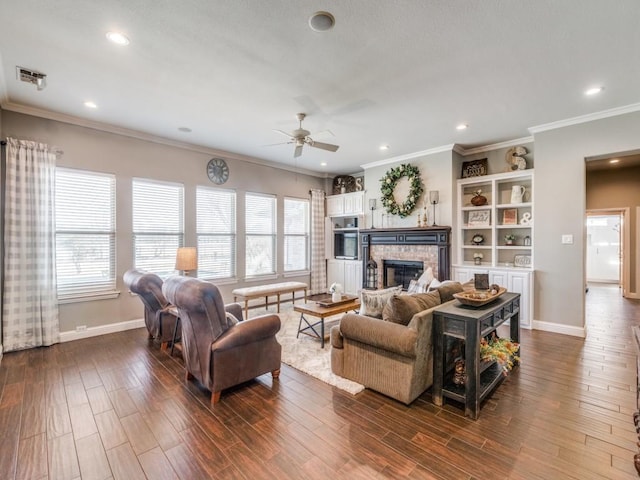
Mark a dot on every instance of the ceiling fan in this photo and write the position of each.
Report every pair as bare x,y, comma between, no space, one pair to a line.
300,137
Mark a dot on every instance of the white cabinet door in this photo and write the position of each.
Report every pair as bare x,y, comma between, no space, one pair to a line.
463,275
499,278
335,272
352,277
335,205
521,282
354,203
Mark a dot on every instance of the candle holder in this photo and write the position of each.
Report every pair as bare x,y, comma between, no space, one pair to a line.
372,206
434,198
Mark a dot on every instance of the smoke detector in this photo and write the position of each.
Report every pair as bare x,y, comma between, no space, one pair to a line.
31,76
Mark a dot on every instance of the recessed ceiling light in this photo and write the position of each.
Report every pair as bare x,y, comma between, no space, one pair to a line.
118,38
614,160
462,126
90,104
593,90
384,147
323,164
321,21
184,129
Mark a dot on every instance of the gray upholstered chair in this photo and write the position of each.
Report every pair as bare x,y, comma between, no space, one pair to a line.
160,322
219,348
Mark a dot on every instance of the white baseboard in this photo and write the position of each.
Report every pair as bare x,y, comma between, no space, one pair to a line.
101,330
559,328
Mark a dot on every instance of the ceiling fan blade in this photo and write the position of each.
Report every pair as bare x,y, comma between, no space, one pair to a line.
298,151
282,133
324,146
274,144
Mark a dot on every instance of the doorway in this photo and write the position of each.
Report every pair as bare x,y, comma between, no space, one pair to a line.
604,247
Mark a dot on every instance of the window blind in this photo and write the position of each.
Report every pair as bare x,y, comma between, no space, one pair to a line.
158,225
296,234
260,228
85,232
216,231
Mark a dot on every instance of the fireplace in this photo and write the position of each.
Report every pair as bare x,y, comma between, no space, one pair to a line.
400,272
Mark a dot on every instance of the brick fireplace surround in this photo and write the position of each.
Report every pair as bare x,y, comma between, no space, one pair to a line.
431,245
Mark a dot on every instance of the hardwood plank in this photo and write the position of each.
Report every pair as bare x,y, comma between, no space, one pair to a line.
63,460
32,457
34,412
58,421
124,464
185,464
122,402
76,394
110,429
99,400
82,422
90,378
139,434
156,465
92,458
163,431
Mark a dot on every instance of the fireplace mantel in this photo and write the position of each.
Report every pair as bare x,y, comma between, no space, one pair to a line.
439,237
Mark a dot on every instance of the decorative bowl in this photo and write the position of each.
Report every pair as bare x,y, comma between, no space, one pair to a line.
478,298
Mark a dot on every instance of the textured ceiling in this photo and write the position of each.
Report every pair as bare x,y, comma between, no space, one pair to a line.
402,73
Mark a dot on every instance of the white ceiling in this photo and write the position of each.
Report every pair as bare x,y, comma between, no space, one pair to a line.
402,73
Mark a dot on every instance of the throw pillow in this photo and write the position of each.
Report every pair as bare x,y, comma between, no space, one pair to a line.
427,277
231,319
401,308
447,289
373,301
416,287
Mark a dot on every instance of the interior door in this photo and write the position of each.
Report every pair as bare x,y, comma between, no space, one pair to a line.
603,248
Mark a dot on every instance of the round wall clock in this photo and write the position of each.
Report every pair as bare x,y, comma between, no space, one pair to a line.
217,171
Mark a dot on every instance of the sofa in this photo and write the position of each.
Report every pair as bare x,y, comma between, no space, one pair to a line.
392,355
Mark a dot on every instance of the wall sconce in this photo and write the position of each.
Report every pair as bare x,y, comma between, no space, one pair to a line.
187,260
372,206
434,198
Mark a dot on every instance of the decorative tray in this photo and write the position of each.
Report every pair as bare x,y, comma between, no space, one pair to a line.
326,302
478,298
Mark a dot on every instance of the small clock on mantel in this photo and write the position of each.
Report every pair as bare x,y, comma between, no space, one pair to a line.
217,171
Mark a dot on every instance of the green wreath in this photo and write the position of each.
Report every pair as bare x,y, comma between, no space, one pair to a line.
388,184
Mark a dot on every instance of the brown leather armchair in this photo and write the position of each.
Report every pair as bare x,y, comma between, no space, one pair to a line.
221,350
160,322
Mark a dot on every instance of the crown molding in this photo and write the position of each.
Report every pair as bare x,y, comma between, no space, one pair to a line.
126,132
495,146
590,117
408,156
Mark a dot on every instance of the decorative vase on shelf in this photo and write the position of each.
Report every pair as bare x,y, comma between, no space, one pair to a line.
478,199
336,297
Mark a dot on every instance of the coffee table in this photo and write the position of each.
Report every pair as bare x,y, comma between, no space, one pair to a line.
312,309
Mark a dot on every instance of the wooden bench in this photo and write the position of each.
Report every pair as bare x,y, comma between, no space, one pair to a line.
249,293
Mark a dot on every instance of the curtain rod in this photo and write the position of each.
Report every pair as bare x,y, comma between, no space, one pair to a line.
55,150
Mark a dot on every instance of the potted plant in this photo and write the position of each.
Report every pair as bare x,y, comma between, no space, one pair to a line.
336,292
477,257
500,350
509,238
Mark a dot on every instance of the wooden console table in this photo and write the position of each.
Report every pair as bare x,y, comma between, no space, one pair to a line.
470,324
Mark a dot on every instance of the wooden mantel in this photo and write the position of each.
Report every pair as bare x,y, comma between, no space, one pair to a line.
436,236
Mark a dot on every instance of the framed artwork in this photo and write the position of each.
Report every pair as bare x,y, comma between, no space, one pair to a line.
475,168
479,218
510,216
522,260
481,281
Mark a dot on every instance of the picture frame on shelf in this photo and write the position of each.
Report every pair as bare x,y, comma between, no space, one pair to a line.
475,168
522,261
510,216
479,218
481,281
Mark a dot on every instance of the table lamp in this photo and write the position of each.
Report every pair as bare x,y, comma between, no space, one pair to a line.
186,260
434,198
372,206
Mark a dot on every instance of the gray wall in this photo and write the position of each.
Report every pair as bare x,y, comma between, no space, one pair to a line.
560,196
126,157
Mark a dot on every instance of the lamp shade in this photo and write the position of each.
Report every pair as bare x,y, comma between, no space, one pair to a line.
187,259
434,196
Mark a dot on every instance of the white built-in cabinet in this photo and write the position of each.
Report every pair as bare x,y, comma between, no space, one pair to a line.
481,230
347,273
345,204
514,280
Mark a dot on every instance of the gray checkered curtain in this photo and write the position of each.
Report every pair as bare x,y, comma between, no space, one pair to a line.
318,264
30,306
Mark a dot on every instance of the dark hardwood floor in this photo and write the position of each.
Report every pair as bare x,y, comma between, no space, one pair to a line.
116,407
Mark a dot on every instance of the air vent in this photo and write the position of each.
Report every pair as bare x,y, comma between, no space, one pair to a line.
31,76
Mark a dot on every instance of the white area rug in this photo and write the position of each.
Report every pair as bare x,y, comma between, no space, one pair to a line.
304,353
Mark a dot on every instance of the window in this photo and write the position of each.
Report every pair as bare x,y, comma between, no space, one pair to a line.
260,228
85,232
216,229
158,225
296,234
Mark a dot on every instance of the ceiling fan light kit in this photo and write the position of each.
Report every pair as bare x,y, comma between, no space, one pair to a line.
300,137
